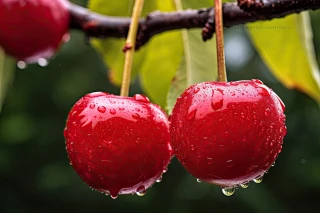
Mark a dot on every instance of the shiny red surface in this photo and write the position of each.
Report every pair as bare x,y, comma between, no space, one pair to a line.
32,29
118,145
227,133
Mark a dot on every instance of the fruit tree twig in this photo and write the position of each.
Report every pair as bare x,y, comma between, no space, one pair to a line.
101,26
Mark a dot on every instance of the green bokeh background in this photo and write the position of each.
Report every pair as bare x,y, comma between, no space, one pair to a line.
35,175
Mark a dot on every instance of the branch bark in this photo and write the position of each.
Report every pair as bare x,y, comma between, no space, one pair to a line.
101,26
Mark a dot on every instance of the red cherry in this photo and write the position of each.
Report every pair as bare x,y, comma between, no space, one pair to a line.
228,133
118,145
32,29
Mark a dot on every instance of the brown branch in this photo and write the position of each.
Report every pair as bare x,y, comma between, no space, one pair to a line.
96,25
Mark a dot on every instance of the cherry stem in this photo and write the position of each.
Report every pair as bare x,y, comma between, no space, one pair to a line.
222,75
129,47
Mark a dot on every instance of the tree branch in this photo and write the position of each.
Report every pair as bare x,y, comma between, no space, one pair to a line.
96,25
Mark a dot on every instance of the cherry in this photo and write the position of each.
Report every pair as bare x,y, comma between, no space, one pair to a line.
32,29
118,145
228,133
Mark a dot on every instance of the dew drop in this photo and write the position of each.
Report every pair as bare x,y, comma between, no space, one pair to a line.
196,89
263,91
121,108
209,161
198,180
274,163
258,179
113,111
257,81
246,84
141,190
234,83
92,106
220,90
165,170
192,147
217,104
141,98
191,115
113,196
101,109
43,62
228,191
22,65
267,112
136,116
159,179
244,185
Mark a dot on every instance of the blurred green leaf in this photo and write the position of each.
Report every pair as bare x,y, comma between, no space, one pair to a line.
286,46
6,75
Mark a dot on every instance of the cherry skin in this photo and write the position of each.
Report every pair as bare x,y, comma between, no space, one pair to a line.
118,145
32,29
228,133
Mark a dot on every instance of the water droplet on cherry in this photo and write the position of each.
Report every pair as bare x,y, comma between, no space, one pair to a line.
136,116
43,62
258,179
141,98
263,91
22,65
244,185
217,104
113,111
191,115
101,109
141,190
199,180
92,106
228,191
267,112
196,89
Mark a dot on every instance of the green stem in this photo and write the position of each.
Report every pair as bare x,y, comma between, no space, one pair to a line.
222,75
129,47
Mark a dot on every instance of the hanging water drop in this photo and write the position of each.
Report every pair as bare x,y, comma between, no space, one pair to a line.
141,190
43,62
228,191
244,185
159,179
274,163
199,180
66,38
22,65
258,179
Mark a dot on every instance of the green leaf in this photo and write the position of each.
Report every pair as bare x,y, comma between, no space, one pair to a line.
6,75
110,49
199,63
286,47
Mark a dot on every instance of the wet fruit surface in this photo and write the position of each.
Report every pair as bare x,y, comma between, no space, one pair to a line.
32,29
228,133
118,145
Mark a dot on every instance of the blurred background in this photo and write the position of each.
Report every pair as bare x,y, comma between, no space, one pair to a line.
35,175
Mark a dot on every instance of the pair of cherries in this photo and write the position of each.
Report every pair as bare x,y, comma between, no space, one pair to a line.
223,133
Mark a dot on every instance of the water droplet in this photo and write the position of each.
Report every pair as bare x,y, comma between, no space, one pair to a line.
113,111
141,98
92,106
257,81
196,89
43,62
159,179
191,115
258,179
274,163
165,170
228,191
244,185
283,107
192,147
141,190
121,108
136,116
263,91
242,115
102,109
22,65
198,180
209,161
234,83
113,196
246,84
267,112
217,104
